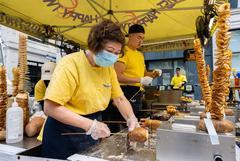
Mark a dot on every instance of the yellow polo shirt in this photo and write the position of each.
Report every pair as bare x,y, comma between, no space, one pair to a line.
135,66
82,88
177,80
39,90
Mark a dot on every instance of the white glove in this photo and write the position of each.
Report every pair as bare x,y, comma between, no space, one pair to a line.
159,71
132,123
98,130
146,80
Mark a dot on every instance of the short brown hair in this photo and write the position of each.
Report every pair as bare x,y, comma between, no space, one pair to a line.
102,33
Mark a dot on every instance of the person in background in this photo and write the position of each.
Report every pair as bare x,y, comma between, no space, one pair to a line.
179,80
41,86
131,69
47,70
80,89
132,74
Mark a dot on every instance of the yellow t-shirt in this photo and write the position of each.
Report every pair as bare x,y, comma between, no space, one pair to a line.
177,80
135,66
82,88
39,90
39,93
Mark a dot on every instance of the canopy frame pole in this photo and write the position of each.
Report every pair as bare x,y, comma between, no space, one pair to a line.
115,18
110,9
99,5
95,9
111,12
72,26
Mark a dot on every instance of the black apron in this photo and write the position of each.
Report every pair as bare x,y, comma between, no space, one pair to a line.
134,95
57,146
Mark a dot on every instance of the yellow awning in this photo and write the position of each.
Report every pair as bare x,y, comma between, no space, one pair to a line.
163,19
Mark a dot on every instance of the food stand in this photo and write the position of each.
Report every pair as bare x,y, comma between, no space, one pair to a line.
165,144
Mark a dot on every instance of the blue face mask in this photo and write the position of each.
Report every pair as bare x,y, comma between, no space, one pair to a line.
105,58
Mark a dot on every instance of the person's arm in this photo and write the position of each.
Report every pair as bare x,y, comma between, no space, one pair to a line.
120,67
66,116
126,111
124,107
184,81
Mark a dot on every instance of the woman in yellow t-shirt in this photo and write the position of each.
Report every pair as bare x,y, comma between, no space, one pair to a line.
80,88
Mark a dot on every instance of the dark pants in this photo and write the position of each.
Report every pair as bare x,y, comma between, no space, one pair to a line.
55,145
134,95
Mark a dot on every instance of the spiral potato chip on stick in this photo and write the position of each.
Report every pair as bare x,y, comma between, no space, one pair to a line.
15,80
202,74
22,96
223,63
3,97
221,75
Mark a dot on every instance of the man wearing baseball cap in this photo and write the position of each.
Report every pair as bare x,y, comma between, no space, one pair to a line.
41,86
131,72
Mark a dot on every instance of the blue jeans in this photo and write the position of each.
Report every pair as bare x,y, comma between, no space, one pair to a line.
57,146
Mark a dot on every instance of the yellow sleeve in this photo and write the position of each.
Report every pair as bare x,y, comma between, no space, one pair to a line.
39,90
116,89
123,58
63,83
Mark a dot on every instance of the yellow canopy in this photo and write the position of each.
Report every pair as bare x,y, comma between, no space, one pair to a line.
163,19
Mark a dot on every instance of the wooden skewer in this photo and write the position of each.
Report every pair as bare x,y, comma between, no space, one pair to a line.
115,122
152,110
82,133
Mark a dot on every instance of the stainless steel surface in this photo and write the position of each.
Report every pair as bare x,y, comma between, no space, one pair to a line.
9,151
194,120
196,110
170,143
196,146
231,118
114,148
169,97
187,120
27,143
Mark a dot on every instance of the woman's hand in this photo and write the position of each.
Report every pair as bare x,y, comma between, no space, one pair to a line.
98,130
132,123
125,109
